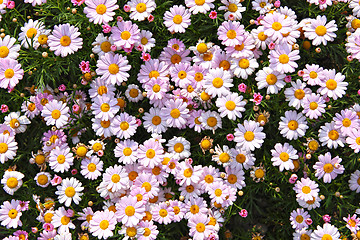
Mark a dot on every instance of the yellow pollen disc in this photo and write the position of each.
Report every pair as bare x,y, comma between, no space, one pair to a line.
208,56
65,220
61,159
355,23
232,178
194,209
4,51
176,210
42,39
125,35
271,79
212,221
299,94
130,211
9,73
299,219
127,151
333,135
346,122
105,46
357,140
313,74
156,171
44,101
178,147
113,68
97,147
328,168
276,26
352,223
104,224
42,179
105,124
156,88
3,147
124,126
177,19
190,189
224,157
70,192
217,82
202,47
48,217
175,46
239,47
190,89
249,136
313,105
175,59
147,186
230,105
188,172
154,74
55,114
91,167
65,41
199,2
133,175
240,158
244,63
115,178
224,64
101,9
31,107
211,122
293,125
156,120
284,156
283,58
12,182
231,34
209,178
147,232
200,227
139,197
134,92
14,123
311,201
39,159
306,189
81,151
232,7
331,84
182,74
175,113
12,213
150,153
262,36
313,145
326,237
163,213
131,232
204,96
141,7
320,30
262,4
144,41
259,173
105,107
205,144
199,76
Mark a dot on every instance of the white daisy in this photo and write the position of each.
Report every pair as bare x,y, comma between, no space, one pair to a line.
244,67
217,82
69,190
55,113
92,167
330,137
133,93
296,93
12,181
8,147
319,31
141,9
102,44
249,135
100,11
124,126
231,106
30,33
60,159
270,79
333,85
126,151
17,122
113,68
179,147
293,125
8,49
153,123
283,156
105,107
42,179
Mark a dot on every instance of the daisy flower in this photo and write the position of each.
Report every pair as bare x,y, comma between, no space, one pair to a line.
328,231
150,230
116,178
346,121
126,151
293,125
12,181
195,207
65,40
125,34
179,147
30,33
306,189
8,147
92,167
270,79
231,106
283,58
262,6
217,82
296,93
113,68
55,113
162,213
209,176
175,113
177,19
243,159
69,190
244,67
16,122
172,57
330,137
187,174
222,156
124,126
8,48
102,44
200,227
206,60
102,223
146,40
276,25
199,6
102,127
235,177
193,121
249,135
152,69
182,74
141,9
149,183
100,11
42,99
62,221
244,50
150,153
42,179
310,204
297,218
61,159
353,140
210,120
10,73
10,214
105,107
29,108
313,74
319,31
232,8
231,33
129,211
333,85
261,40
353,223
354,181
283,156
314,106
328,168
153,123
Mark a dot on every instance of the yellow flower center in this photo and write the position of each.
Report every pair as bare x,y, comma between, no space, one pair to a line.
299,219
81,151
42,179
201,48
3,147
31,107
91,167
65,220
190,189
293,125
105,46
177,19
328,168
194,209
14,123
105,124
211,122
4,51
101,9
147,232
178,147
333,135
48,217
262,4
240,158
276,26
9,73
249,136
61,159
156,170
150,153
284,156
154,74
44,101
224,157
326,237
12,182
12,213
175,46
259,173
42,39
209,178
204,96
232,178
199,76
182,74
115,178
200,227
313,145
124,126
175,59
231,34
176,210
113,68
271,79
199,2
355,23
144,41
244,63
65,41
163,213
218,82
346,122
104,224
39,159
127,151
262,36
190,89
299,94
134,92
70,192
105,107
131,231
230,105
188,172
156,120
306,189
156,88
352,223
320,30
55,114
175,113
125,35
132,175
97,146
357,140
232,7
141,7
130,211
31,32
313,74
205,144
224,64
147,186
313,105
331,84
283,58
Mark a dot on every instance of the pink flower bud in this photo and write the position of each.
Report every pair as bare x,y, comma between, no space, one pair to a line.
243,213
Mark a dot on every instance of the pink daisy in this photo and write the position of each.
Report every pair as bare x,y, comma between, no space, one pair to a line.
328,168
125,34
129,211
177,19
100,11
10,73
231,33
163,213
113,68
65,40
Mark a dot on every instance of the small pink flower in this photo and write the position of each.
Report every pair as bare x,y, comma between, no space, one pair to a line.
258,20
34,229
272,45
145,56
178,181
70,213
48,227
292,181
326,218
308,221
106,28
257,98
189,161
150,18
10,89
77,2
84,82
56,180
75,108
359,92
74,171
294,176
84,66
62,88
119,18
213,15
4,108
140,48
230,137
242,87
10,4
128,50
277,4
288,78
100,153
349,58
243,213
327,99
138,122
231,17
301,73
113,48
127,8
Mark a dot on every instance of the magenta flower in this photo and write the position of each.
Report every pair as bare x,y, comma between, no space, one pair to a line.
56,180
150,18
326,218
257,98
288,78
84,66
48,227
277,4
106,28
127,8
62,87
242,87
10,4
230,137
4,108
243,213
145,56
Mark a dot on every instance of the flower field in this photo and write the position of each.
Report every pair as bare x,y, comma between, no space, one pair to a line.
194,119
